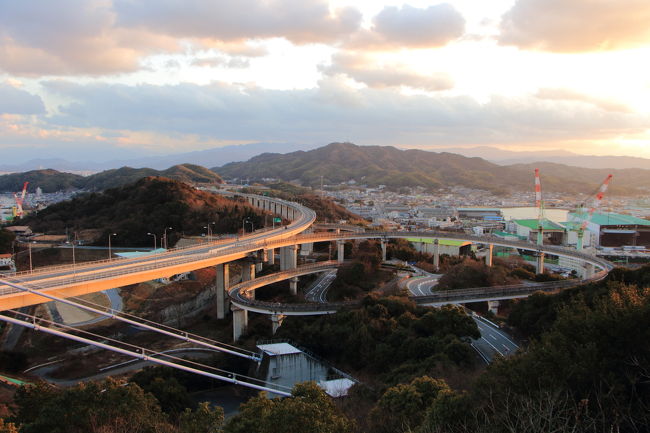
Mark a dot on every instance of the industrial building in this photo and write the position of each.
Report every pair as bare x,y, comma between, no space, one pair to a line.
616,230
554,234
446,246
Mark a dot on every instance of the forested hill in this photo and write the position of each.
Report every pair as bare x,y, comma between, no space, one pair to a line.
51,180
386,165
188,173
147,206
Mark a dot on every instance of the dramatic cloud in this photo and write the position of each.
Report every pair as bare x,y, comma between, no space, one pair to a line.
69,37
410,27
96,37
17,101
300,21
576,25
572,95
333,112
360,68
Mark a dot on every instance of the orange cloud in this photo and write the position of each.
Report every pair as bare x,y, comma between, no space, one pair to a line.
572,95
361,69
570,26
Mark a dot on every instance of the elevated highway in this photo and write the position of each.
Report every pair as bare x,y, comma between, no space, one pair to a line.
67,281
79,279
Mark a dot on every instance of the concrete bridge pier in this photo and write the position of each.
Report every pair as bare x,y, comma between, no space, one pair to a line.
223,283
383,250
276,321
259,261
239,322
288,257
270,256
589,271
436,255
307,249
540,262
293,285
490,255
340,252
493,306
248,271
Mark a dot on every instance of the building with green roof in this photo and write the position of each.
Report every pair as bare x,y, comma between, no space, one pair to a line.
615,230
554,233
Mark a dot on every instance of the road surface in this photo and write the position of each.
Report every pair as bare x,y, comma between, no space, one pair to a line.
317,292
493,341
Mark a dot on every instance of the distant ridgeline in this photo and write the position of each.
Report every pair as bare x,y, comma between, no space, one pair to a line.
385,165
51,180
146,206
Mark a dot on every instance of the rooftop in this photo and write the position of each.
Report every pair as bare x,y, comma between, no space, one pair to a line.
533,224
444,242
613,219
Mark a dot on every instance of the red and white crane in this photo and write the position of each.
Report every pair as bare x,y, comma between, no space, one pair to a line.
598,198
20,200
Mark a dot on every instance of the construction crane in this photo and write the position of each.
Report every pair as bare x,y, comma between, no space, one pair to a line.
20,200
596,204
540,208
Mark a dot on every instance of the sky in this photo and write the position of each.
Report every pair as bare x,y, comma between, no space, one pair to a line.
106,79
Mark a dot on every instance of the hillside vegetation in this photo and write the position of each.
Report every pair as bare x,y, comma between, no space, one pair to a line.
51,180
386,165
147,206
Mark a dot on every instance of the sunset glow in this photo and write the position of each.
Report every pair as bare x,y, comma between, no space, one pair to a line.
114,76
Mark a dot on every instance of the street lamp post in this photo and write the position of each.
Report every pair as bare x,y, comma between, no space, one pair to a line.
74,261
165,235
30,256
110,256
243,225
154,240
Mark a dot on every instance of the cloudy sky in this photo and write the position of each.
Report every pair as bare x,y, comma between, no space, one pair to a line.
114,78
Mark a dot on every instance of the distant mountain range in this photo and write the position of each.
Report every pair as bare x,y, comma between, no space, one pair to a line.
386,165
507,157
52,180
220,156
370,165
207,158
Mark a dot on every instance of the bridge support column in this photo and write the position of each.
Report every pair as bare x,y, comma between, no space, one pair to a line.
589,271
293,285
259,260
288,257
223,283
270,256
436,255
307,249
239,322
493,306
383,250
276,320
540,262
490,255
247,271
340,251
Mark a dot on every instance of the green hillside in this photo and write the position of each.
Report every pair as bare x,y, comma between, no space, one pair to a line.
147,206
51,180
48,180
187,173
386,165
